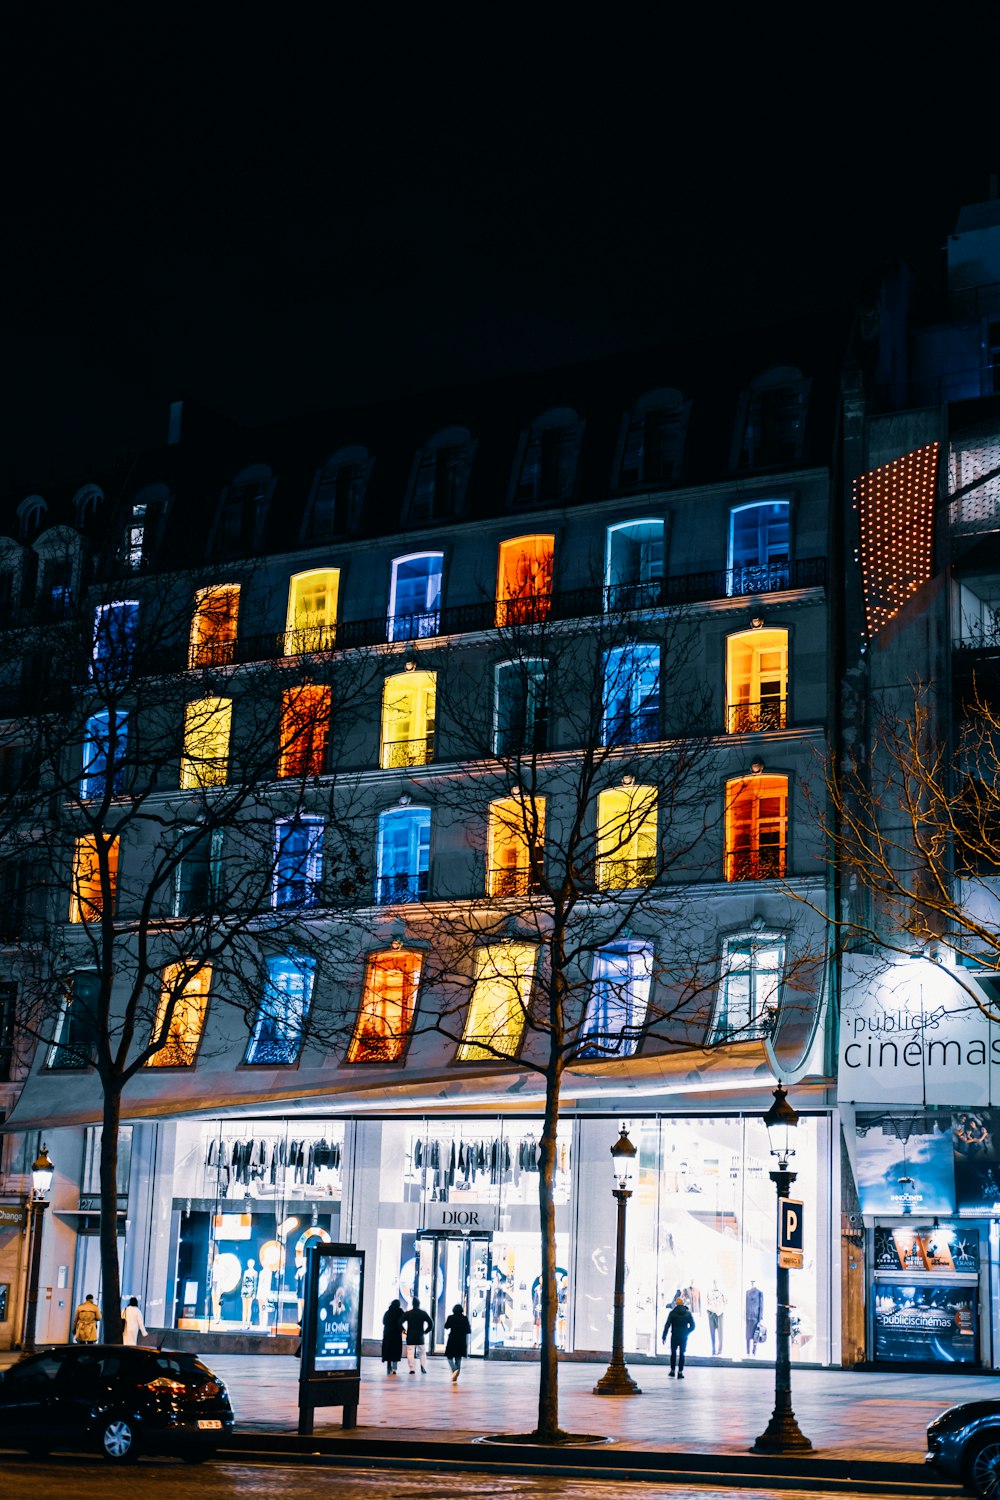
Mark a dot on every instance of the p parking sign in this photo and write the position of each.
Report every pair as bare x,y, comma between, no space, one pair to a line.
790,1222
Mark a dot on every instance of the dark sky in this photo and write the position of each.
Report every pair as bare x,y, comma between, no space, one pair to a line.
285,219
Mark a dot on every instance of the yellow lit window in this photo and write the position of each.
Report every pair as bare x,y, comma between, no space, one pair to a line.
524,579
515,845
501,992
756,827
182,1031
205,761
408,701
88,891
756,681
305,725
387,1005
626,838
312,611
213,626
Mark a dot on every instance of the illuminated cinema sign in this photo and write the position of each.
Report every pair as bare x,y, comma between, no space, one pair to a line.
912,1033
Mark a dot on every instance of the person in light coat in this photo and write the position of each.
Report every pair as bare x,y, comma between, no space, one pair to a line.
85,1321
135,1328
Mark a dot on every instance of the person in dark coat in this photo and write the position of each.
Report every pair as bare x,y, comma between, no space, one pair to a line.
679,1325
416,1323
457,1347
392,1336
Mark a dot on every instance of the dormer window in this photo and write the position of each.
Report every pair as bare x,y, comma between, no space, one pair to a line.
338,494
86,505
546,466
440,476
652,446
143,525
243,510
774,419
31,514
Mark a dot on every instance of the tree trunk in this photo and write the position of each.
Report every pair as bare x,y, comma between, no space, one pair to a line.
111,1290
548,1382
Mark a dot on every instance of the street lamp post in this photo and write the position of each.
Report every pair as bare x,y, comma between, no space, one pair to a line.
782,1433
616,1380
41,1181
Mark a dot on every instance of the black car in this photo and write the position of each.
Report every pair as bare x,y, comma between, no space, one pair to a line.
964,1443
118,1400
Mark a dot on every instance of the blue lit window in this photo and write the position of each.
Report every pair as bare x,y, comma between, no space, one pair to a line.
298,862
632,695
104,754
619,997
759,547
404,854
284,1007
115,627
634,565
415,599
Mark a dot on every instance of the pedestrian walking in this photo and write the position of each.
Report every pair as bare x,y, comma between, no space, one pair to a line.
85,1321
392,1336
679,1326
458,1329
135,1328
416,1323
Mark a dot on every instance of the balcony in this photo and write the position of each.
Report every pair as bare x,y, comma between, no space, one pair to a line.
626,874
401,889
507,880
397,754
757,718
765,863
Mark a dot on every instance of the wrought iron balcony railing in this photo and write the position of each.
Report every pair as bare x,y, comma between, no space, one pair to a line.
764,863
398,753
625,874
506,880
400,889
757,718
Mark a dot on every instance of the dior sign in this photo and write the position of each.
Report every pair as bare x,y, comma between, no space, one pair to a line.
461,1218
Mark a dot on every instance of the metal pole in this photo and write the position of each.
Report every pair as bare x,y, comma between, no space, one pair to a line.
38,1207
782,1433
616,1380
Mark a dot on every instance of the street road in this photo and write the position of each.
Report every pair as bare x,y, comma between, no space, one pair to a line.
94,1479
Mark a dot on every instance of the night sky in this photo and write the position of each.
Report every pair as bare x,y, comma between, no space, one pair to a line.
284,220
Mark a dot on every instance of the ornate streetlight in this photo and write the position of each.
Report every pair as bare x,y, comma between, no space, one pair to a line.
41,1181
616,1380
782,1434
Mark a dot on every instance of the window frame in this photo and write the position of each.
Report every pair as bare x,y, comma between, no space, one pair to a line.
213,634
404,887
112,661
627,588
307,633
308,863
534,738
198,770
180,1037
604,1002
397,751
763,574
212,864
511,1001
277,998
750,860
525,826
304,744
761,1017
94,771
639,721
748,709
623,837
427,620
525,605
90,897
58,1045
389,1046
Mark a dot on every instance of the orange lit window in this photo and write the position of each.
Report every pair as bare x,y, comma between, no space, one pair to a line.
305,725
311,623
626,838
501,993
387,1006
182,1032
756,827
515,846
88,891
213,626
205,761
408,708
524,580
756,681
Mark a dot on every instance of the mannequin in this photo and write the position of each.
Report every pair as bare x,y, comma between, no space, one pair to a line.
754,1313
716,1304
264,1297
248,1290
216,1288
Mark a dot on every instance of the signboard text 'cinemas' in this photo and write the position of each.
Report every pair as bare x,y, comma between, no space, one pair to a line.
911,1032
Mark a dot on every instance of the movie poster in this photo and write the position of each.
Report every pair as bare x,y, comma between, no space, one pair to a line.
946,1247
976,1138
926,1321
906,1164
338,1314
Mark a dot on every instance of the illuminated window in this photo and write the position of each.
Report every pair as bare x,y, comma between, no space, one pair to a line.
408,706
213,626
90,887
548,456
631,695
304,730
311,624
759,547
388,1003
634,565
520,710
652,446
756,681
115,628
524,580
198,874
619,996
756,827
415,596
283,1010
404,855
181,1033
104,750
626,838
749,987
75,1042
440,476
205,761
515,845
501,994
298,862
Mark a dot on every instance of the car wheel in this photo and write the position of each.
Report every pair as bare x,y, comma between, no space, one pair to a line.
119,1440
198,1455
982,1469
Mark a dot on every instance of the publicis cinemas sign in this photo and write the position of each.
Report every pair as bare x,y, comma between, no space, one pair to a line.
912,1033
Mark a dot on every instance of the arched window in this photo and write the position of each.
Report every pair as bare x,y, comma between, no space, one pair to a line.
31,514
749,987
756,681
415,596
86,504
516,845
338,494
388,1004
501,993
634,564
652,443
760,547
546,460
524,579
440,476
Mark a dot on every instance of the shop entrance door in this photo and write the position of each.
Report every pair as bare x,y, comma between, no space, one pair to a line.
456,1268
